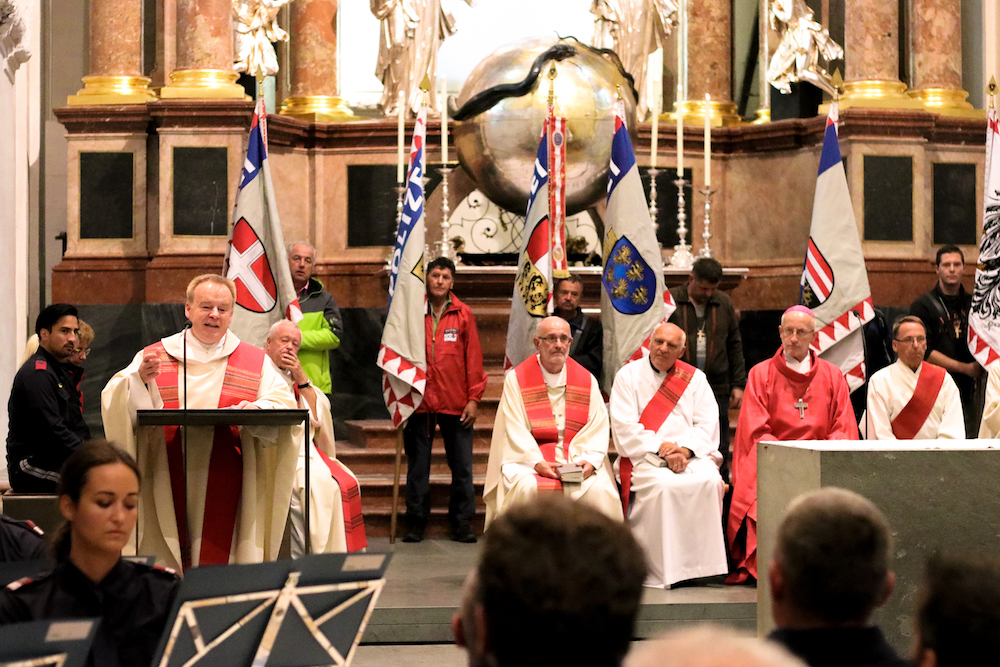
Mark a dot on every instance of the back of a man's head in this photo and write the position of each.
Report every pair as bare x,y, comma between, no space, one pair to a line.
831,560
559,583
710,646
959,616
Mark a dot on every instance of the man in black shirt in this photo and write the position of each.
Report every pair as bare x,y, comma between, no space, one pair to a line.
587,348
945,313
44,412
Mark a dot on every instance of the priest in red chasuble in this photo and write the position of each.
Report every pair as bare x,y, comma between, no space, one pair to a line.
551,413
912,399
794,395
665,423
239,480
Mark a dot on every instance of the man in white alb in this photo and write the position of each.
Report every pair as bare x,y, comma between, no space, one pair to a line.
239,479
551,412
664,410
336,521
912,399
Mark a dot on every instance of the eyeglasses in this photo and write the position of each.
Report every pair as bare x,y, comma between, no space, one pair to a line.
552,340
798,333
86,351
910,340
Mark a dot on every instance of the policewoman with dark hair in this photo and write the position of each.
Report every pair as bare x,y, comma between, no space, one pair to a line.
98,496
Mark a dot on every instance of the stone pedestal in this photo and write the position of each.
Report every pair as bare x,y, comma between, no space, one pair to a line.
204,52
871,33
937,495
937,57
313,56
115,56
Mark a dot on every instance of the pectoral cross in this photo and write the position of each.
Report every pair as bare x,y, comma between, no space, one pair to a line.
801,406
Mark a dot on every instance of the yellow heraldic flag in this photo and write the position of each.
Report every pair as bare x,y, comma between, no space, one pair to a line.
403,354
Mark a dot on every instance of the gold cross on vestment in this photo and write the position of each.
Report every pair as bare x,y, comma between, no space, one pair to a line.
801,405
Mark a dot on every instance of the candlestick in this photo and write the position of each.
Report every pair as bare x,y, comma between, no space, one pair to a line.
444,119
682,257
680,131
400,137
706,235
708,141
654,142
447,247
653,211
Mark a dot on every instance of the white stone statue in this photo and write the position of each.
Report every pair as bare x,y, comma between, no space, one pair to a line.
411,34
634,29
13,35
256,28
803,42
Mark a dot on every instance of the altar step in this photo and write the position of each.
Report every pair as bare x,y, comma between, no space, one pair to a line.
380,434
376,503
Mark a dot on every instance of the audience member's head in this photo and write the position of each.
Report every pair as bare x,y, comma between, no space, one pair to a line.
557,583
958,622
567,296
831,561
84,339
706,273
440,279
710,646
57,326
301,261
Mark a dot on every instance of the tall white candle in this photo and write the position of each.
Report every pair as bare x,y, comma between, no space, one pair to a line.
680,131
708,142
401,139
444,119
655,141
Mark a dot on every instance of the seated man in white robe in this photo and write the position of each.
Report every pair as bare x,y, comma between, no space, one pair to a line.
665,424
551,413
912,399
233,506
332,486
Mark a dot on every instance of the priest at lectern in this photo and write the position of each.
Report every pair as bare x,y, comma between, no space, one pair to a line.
239,480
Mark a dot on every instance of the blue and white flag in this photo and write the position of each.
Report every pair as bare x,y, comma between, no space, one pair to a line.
255,255
633,300
403,353
984,319
834,279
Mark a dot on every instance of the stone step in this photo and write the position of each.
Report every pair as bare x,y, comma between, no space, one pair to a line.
376,504
381,434
381,461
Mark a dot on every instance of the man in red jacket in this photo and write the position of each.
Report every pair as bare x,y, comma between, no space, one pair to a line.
455,384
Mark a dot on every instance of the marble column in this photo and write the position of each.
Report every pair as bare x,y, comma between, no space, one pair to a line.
115,48
313,63
937,55
204,60
871,34
709,45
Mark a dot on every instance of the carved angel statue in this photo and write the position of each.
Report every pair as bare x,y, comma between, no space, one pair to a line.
634,29
803,43
411,34
13,36
256,28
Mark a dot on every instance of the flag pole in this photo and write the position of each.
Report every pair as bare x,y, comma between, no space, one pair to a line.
395,483
425,86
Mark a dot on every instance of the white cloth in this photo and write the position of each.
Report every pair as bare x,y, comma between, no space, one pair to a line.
510,475
326,513
794,364
269,454
990,426
891,388
676,517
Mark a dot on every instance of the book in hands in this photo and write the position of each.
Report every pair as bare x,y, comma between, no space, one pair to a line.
653,459
571,472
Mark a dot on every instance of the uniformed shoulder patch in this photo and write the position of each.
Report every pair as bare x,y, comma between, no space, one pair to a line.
164,568
30,524
14,585
41,364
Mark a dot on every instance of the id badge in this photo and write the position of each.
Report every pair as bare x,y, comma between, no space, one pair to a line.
451,335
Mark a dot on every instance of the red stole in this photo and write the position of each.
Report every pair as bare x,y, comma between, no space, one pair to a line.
543,423
350,498
654,414
225,472
915,412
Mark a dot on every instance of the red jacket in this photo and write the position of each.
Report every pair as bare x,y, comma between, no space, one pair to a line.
455,373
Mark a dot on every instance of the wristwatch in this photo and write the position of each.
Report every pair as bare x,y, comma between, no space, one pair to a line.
305,385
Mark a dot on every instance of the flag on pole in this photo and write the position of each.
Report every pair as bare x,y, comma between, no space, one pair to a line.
403,353
834,279
532,299
255,255
556,127
984,319
632,279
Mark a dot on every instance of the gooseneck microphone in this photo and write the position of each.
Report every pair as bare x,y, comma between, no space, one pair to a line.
186,546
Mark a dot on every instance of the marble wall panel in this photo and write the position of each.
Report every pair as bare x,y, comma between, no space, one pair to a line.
294,189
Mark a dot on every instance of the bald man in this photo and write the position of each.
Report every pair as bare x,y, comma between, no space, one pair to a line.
794,395
551,413
665,423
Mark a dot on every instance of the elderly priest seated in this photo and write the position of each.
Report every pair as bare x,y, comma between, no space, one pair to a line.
665,424
233,506
551,431
912,399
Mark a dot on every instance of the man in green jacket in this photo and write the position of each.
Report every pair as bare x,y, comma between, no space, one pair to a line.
321,324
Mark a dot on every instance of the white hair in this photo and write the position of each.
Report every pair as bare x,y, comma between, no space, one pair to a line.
710,646
291,246
273,331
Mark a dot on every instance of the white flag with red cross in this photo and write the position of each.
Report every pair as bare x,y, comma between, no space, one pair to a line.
255,256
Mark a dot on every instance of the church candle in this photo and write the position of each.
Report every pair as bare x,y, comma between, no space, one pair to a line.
654,143
708,141
401,138
444,119
680,131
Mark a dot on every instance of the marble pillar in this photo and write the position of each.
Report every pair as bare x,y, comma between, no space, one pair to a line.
709,46
115,56
313,63
871,34
937,55
204,59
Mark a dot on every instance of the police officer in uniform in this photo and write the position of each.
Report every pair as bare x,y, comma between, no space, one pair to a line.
45,412
21,540
98,496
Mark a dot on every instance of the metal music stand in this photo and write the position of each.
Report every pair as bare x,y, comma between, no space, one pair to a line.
47,643
288,613
233,417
